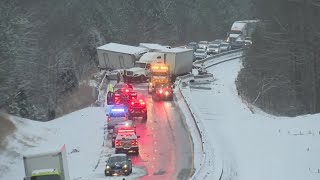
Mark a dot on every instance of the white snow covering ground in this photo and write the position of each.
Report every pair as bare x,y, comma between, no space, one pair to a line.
253,146
81,131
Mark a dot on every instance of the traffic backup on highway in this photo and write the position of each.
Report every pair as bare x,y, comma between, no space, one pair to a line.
155,65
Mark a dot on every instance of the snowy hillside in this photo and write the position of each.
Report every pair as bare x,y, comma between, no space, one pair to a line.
81,131
254,146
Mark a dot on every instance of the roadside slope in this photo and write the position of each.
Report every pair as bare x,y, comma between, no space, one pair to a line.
81,131
254,145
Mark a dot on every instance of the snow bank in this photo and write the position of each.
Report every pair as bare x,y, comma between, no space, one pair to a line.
254,146
81,131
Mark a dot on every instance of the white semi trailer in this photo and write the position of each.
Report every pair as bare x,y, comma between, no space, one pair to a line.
47,166
242,29
118,56
179,60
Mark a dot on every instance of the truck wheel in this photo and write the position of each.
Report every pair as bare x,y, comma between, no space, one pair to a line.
137,152
112,144
141,79
117,151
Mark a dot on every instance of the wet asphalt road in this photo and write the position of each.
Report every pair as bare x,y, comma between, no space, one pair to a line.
166,149
165,145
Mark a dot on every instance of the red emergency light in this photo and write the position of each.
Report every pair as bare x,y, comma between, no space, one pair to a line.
126,130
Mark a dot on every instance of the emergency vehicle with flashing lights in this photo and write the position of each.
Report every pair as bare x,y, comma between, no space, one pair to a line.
122,86
138,108
120,97
127,125
163,91
119,93
127,142
117,115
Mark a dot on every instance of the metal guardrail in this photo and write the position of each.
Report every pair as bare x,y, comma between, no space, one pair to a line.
199,62
199,131
99,88
203,76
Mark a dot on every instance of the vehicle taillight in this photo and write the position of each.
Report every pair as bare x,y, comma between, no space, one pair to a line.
160,91
118,143
126,117
134,142
142,102
127,90
109,119
132,103
167,93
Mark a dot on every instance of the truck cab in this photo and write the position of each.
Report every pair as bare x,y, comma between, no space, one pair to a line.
49,165
141,70
238,31
45,174
160,74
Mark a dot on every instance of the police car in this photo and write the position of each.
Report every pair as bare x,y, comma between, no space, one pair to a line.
128,125
117,114
127,142
138,108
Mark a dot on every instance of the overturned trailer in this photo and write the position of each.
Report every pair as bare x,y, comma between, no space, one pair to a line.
118,56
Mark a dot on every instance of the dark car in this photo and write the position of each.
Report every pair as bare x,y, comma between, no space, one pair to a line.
118,164
225,46
237,44
192,45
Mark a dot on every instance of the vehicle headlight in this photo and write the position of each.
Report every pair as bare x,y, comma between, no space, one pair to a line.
108,167
125,166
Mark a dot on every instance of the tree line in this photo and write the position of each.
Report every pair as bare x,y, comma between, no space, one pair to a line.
281,72
46,47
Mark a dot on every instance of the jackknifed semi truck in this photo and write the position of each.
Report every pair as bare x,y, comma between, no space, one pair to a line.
179,60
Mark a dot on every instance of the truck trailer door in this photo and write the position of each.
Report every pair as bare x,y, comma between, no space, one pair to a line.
106,60
121,61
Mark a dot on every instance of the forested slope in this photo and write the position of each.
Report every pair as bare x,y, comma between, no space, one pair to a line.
46,47
281,73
